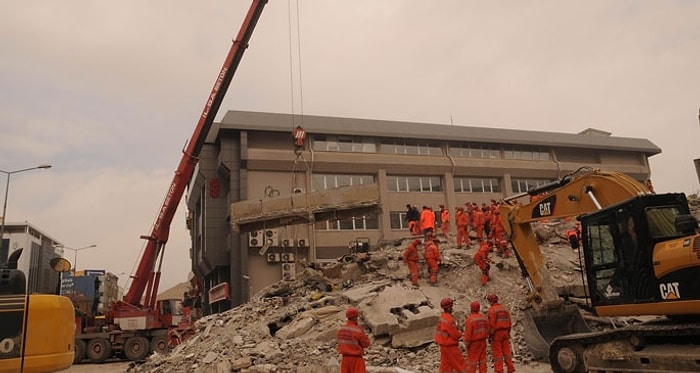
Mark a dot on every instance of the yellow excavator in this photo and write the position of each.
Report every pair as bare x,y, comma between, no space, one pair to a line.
37,331
640,255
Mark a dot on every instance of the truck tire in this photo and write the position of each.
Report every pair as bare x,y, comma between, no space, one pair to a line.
136,348
159,344
79,352
99,350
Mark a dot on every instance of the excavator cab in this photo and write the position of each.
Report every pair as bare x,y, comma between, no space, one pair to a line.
639,255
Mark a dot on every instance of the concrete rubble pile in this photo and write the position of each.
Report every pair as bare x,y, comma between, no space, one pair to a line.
290,326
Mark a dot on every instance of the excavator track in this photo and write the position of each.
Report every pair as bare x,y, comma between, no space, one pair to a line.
658,346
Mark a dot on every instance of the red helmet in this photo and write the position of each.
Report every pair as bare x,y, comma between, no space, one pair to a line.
352,313
492,298
417,241
446,302
475,306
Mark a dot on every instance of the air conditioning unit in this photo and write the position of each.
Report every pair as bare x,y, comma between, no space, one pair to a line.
287,242
303,242
255,239
298,190
273,257
289,272
287,257
271,237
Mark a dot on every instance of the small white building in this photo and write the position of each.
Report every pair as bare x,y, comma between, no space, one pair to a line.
38,250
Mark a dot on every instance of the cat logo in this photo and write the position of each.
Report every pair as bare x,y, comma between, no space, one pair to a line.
670,291
545,207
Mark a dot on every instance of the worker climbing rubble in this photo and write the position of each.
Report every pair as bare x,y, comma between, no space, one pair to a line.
410,257
462,222
432,258
481,258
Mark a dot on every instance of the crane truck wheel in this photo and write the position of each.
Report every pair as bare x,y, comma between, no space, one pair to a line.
159,344
99,350
136,348
79,352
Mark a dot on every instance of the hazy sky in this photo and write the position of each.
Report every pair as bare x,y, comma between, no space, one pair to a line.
108,92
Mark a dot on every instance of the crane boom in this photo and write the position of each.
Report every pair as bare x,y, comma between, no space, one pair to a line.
145,274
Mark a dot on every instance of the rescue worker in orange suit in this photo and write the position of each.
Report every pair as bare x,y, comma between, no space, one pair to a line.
498,235
445,221
573,235
410,257
499,328
427,222
447,336
432,259
476,331
462,222
478,223
481,258
352,342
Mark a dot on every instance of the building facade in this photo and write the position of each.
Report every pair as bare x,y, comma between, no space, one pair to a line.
251,156
37,251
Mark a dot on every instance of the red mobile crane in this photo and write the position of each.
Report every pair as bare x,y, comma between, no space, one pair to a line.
138,325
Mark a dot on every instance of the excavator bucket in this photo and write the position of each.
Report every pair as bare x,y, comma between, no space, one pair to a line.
542,327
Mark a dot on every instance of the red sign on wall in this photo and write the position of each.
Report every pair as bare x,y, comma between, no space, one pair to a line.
219,292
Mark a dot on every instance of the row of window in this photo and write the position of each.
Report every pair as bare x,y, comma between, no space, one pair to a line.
357,144
397,183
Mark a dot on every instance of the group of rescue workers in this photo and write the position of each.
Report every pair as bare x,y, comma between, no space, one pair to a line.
493,327
484,221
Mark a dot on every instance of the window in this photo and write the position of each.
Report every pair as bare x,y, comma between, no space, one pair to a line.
414,184
330,181
352,224
475,150
346,144
524,185
398,220
526,153
477,185
662,220
409,147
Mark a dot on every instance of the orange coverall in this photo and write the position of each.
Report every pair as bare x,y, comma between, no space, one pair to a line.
427,222
447,336
478,223
498,234
481,258
352,342
499,327
475,334
410,257
462,221
432,258
445,220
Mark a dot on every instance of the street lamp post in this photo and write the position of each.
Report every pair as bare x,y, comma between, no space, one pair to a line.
7,188
75,254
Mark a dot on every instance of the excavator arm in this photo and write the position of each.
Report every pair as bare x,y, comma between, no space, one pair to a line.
580,192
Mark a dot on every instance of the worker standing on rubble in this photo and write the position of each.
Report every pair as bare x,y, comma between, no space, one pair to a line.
427,222
445,221
413,220
499,328
476,331
432,258
352,342
186,305
481,258
410,257
462,222
447,336
478,223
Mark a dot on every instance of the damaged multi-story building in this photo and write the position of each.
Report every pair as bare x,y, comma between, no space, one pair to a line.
274,192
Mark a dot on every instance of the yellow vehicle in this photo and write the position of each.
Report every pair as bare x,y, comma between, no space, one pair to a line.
37,331
640,255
